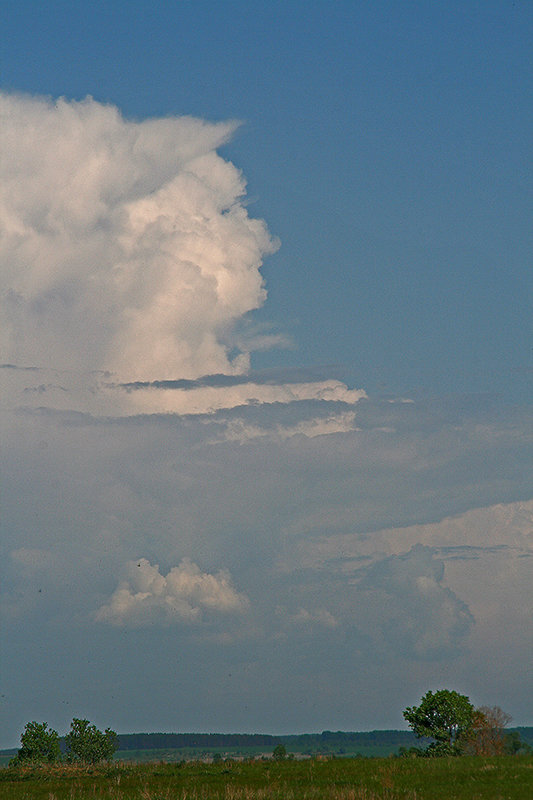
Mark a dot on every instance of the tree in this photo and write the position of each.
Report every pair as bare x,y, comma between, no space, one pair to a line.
514,744
86,743
446,717
279,753
40,745
487,736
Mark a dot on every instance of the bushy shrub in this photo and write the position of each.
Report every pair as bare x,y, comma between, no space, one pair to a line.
279,752
87,744
40,745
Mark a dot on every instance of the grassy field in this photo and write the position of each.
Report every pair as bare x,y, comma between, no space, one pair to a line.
503,778
195,753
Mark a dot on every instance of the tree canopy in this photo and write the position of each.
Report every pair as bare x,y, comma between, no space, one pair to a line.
86,743
40,744
279,753
487,736
444,716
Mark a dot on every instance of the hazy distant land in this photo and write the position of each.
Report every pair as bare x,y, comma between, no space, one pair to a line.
189,746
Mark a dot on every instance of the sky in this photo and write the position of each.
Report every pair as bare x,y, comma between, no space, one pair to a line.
266,362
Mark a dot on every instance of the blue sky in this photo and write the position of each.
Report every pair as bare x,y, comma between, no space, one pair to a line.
386,144
370,448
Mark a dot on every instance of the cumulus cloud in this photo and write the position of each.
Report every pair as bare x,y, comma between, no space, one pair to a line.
502,529
430,589
146,596
418,614
130,263
126,245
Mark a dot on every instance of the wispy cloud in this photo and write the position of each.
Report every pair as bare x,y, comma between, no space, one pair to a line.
94,394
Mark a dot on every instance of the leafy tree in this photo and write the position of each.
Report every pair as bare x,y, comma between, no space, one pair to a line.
486,735
514,745
86,743
445,716
279,753
40,744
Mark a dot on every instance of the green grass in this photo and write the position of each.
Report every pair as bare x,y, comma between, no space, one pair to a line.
504,778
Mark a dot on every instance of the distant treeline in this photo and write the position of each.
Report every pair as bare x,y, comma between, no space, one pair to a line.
207,741
342,740
325,741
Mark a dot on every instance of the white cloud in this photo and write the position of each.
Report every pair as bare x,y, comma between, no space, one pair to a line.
429,589
209,399
126,245
415,611
95,394
458,539
130,264
182,596
128,255
240,431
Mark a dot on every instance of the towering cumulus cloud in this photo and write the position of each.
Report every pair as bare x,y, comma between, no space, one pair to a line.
126,245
